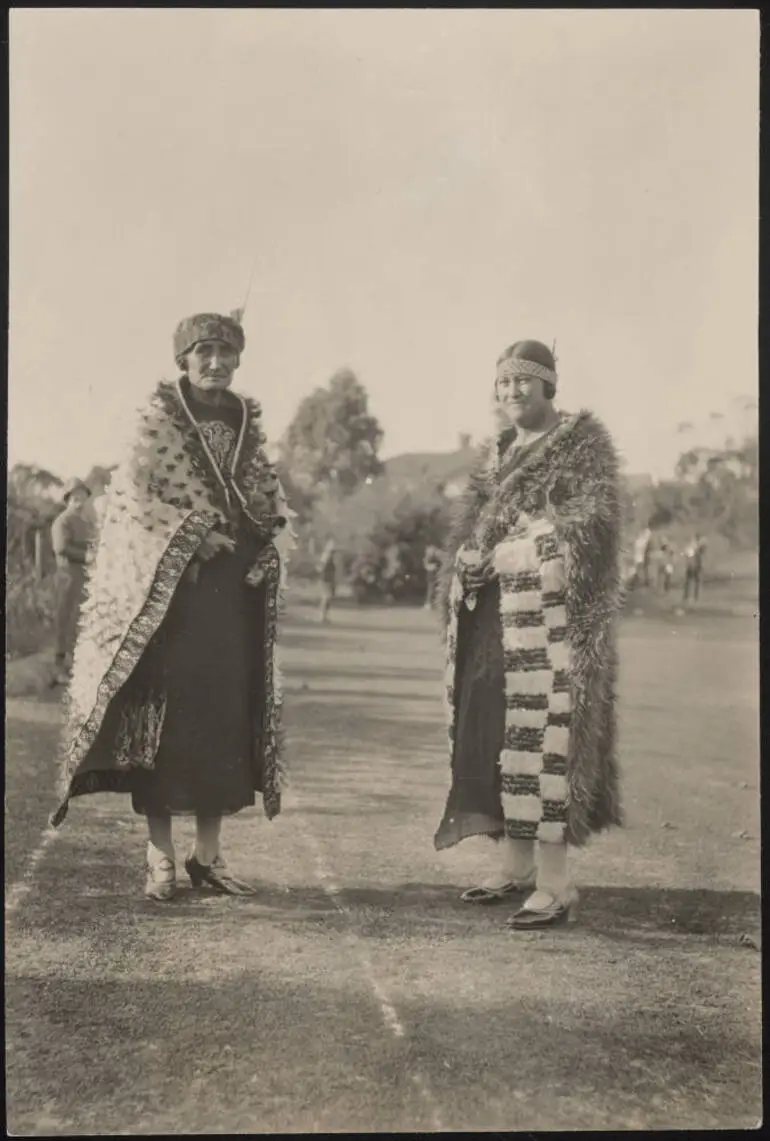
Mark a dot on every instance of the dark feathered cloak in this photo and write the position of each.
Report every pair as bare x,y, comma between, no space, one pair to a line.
552,523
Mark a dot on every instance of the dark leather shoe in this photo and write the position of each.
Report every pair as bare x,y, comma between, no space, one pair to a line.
548,913
216,875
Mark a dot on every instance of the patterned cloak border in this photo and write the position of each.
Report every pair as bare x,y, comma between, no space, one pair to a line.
552,525
165,496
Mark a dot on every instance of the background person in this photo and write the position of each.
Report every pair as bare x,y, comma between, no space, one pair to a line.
693,569
432,566
327,570
72,533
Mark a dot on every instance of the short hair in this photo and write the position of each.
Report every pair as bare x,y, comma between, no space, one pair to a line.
530,351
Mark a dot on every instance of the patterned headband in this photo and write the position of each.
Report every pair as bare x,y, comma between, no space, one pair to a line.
517,366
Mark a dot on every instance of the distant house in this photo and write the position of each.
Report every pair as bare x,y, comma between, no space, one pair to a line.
445,470
449,471
636,483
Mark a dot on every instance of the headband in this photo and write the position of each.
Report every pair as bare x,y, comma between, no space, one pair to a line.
518,366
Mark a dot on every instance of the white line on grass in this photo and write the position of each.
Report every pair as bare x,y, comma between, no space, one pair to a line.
19,891
31,711
387,1009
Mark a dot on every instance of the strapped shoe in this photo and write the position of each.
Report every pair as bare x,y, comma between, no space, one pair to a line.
161,877
497,894
217,876
544,910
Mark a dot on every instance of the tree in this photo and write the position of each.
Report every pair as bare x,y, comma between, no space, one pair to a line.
381,516
33,501
33,486
332,443
723,485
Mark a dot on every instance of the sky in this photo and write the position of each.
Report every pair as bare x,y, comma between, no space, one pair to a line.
416,190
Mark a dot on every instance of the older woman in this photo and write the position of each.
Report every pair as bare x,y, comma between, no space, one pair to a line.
175,696
529,596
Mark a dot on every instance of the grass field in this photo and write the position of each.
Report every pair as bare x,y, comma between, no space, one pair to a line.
355,992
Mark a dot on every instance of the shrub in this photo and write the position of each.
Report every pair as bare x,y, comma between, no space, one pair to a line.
30,610
381,532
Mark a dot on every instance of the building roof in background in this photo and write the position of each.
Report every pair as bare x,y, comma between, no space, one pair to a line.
453,467
434,467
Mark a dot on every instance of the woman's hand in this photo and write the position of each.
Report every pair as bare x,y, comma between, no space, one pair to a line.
480,574
475,570
214,544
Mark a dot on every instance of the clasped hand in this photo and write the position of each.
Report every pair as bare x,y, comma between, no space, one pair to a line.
214,544
476,572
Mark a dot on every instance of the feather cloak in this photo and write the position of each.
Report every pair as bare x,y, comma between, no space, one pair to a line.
552,525
166,495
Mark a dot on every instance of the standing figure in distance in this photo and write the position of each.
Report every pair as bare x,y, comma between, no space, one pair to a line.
642,549
327,569
175,695
432,565
72,533
530,593
693,570
665,564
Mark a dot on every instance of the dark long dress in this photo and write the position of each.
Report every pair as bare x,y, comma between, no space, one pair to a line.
474,805
206,659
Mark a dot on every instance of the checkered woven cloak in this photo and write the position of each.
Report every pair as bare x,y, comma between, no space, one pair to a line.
552,523
167,493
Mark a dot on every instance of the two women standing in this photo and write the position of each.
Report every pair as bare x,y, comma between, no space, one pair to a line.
175,695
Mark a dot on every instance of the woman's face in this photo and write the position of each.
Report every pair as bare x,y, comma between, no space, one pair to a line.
211,364
521,401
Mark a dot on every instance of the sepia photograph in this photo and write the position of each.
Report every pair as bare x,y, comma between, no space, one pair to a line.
382,585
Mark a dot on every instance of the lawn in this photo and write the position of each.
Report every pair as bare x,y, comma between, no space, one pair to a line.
355,992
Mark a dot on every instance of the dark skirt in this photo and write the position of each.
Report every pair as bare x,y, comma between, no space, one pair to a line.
474,806
208,661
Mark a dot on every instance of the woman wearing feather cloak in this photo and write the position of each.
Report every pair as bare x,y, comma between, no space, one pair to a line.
529,593
175,694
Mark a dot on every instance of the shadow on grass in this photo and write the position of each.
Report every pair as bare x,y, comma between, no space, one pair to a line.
293,1056
30,795
171,1056
105,890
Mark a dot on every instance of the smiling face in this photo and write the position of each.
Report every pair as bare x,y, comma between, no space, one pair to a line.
521,400
211,364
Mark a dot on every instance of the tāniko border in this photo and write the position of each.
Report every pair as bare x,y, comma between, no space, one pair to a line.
175,696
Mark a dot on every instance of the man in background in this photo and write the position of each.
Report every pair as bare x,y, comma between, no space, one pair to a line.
71,533
642,548
327,569
665,564
693,567
392,573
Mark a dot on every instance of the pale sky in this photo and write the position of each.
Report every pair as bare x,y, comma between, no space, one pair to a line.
421,188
